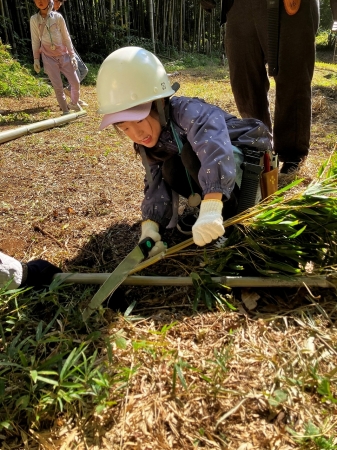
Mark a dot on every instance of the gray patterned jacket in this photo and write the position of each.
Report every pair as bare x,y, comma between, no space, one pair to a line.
211,133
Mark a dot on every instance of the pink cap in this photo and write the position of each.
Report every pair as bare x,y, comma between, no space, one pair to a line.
138,112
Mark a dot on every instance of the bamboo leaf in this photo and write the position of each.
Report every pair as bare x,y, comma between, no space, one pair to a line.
47,380
298,232
33,374
120,342
180,375
71,361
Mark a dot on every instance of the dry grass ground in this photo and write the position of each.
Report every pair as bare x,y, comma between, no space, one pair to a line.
238,380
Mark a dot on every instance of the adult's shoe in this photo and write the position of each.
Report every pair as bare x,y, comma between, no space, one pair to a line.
82,102
74,107
291,166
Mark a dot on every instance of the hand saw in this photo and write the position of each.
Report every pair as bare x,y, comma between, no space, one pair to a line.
117,277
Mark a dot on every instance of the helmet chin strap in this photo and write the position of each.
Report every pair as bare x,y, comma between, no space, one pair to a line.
161,112
163,107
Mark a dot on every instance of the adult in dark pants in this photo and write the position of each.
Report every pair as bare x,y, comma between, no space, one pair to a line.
247,49
246,43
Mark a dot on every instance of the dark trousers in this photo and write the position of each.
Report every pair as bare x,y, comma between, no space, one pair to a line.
247,48
174,174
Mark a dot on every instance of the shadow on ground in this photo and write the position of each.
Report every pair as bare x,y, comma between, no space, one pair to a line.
107,249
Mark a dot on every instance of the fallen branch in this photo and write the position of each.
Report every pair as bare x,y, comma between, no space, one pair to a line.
45,233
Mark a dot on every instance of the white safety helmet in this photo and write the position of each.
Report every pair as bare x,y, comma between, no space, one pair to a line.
130,77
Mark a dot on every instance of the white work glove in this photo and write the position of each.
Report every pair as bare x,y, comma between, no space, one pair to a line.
37,66
209,225
74,63
151,229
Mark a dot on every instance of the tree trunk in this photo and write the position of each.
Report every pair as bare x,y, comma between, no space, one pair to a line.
152,25
177,24
5,27
181,26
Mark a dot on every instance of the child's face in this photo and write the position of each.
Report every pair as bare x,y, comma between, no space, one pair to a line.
144,132
41,4
57,4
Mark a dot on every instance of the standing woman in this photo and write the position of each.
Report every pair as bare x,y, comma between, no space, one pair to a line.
82,69
50,38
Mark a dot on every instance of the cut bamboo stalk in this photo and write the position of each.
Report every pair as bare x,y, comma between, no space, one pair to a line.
137,280
178,247
10,135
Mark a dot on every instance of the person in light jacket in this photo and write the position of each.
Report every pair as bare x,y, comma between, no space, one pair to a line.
50,38
186,144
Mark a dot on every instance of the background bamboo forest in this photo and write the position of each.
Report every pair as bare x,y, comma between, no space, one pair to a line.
98,27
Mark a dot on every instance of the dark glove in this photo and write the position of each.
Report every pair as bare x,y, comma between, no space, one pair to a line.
40,273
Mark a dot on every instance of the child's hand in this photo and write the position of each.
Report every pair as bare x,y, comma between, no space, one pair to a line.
150,229
158,248
74,63
37,66
209,225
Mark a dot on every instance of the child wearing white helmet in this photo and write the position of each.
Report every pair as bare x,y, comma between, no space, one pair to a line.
186,144
50,38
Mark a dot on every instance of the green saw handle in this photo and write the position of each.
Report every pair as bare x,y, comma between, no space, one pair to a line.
146,245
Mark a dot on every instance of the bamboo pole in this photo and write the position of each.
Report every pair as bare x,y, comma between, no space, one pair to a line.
9,135
152,25
136,280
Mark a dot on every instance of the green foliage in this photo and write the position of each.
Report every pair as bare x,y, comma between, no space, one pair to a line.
189,61
322,39
90,79
325,15
323,385
107,42
277,398
325,38
313,438
16,80
50,365
285,234
16,117
178,372
206,291
181,62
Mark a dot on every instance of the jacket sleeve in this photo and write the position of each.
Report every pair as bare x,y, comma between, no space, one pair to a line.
34,32
204,126
10,269
157,202
250,133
